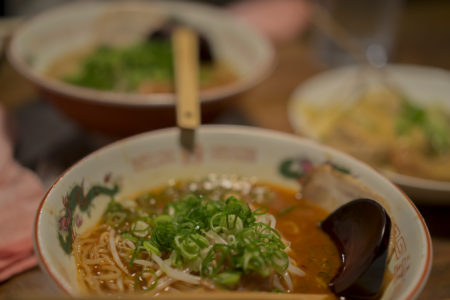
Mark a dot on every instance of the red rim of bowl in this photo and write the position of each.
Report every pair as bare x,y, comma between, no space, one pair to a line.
249,130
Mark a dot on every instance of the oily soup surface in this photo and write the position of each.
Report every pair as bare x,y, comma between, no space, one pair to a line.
297,221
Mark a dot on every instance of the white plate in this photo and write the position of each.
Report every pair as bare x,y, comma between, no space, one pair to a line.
424,85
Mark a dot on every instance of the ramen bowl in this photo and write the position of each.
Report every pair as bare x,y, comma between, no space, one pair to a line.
42,43
425,87
76,201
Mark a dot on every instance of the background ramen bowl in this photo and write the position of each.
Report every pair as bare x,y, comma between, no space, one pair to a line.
149,160
44,39
423,85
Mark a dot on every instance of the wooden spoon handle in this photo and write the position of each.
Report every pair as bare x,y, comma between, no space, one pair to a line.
185,47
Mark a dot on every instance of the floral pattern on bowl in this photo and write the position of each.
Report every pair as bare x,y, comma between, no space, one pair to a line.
72,217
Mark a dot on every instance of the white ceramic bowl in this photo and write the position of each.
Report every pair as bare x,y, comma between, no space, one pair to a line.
423,85
47,37
148,160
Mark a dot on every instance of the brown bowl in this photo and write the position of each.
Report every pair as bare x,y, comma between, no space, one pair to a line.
45,39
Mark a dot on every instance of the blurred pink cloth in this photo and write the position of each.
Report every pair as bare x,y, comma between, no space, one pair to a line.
279,20
20,194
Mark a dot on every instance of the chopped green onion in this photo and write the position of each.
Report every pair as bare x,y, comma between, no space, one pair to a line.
262,210
234,224
176,259
115,219
433,123
155,281
163,235
151,248
217,254
200,240
280,261
163,218
287,210
186,247
228,278
135,252
219,239
140,228
216,219
128,236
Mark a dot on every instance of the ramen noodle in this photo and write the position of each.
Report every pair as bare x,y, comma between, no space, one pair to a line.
221,232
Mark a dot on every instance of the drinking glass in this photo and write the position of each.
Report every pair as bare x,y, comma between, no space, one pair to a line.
371,23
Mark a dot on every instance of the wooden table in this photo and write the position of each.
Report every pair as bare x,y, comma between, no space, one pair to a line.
423,38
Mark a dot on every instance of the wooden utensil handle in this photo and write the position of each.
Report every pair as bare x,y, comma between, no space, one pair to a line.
185,47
